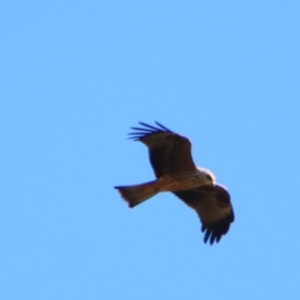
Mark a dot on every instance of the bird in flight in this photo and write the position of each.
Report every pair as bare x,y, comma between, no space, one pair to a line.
176,172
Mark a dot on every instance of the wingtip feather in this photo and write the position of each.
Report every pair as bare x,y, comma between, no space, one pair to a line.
162,126
146,130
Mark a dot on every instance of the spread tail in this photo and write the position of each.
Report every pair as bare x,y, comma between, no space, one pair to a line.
136,194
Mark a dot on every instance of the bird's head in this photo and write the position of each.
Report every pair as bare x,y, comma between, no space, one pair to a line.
208,176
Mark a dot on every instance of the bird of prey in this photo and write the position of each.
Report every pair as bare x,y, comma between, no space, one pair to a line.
176,172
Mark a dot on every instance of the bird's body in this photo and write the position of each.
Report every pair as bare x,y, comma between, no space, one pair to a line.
175,171
182,181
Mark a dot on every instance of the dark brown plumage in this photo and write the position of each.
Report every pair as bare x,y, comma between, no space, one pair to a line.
169,152
213,206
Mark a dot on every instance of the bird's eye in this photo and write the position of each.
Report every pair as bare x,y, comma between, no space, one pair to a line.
209,177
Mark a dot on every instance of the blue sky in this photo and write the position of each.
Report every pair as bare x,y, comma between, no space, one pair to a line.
76,75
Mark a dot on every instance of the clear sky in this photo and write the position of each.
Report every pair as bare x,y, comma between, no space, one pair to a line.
75,75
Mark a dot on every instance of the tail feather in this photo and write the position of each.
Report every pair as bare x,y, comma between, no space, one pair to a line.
136,194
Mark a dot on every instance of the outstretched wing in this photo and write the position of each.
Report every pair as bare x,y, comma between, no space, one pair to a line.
169,152
212,203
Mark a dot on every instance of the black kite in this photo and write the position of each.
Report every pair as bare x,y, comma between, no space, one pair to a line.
174,168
